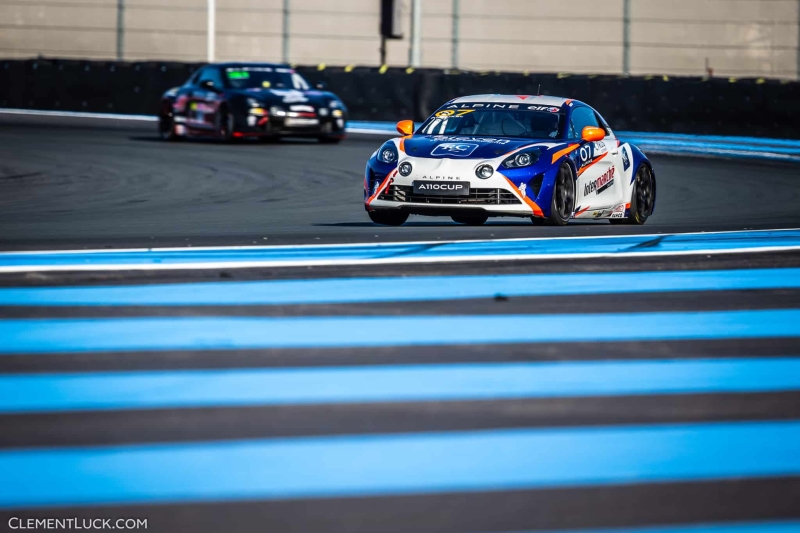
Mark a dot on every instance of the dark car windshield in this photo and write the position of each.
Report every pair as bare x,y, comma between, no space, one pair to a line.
264,78
497,120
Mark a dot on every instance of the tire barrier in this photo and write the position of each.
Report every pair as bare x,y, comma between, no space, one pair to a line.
722,106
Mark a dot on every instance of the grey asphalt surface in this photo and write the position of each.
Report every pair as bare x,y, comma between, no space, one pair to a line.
81,183
77,184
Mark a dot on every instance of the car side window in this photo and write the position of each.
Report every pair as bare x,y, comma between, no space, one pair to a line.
210,74
193,78
582,117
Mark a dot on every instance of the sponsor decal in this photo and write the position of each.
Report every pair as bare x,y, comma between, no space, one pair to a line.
522,188
290,96
600,148
618,211
585,153
455,149
445,138
474,106
626,160
440,186
600,184
457,188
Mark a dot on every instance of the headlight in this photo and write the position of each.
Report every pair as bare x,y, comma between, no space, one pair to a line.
277,111
387,153
252,102
405,168
484,172
523,159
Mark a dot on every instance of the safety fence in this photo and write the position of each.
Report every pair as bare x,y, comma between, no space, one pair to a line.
721,106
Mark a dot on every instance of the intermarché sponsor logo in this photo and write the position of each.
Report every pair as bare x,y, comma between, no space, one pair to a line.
17,523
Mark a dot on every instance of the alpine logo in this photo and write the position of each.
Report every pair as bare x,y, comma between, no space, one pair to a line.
600,184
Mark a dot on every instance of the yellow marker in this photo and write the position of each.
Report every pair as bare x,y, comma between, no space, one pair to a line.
562,75
383,69
666,78
732,80
349,68
648,78
760,81
266,84
409,70
321,66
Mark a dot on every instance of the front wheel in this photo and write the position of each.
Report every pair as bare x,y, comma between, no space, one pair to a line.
225,125
166,126
643,198
324,139
470,220
563,203
388,218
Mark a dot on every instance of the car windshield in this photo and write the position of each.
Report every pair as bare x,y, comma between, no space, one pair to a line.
265,78
497,120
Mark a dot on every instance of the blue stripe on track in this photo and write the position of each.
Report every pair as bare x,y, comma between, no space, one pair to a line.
398,464
22,336
411,383
318,291
734,527
400,252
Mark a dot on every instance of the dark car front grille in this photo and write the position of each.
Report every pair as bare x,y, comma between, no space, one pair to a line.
405,193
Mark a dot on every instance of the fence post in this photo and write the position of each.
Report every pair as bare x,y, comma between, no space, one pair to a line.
626,37
120,29
415,53
456,28
211,30
285,46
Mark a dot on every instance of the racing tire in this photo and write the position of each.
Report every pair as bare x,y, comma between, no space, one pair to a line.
329,140
643,198
225,125
166,126
470,220
388,218
563,203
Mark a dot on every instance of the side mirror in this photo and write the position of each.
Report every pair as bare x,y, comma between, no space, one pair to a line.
590,133
321,86
208,84
405,127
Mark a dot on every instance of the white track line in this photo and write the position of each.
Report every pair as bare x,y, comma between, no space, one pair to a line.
382,244
211,265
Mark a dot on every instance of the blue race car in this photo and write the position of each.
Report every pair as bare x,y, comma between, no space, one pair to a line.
540,157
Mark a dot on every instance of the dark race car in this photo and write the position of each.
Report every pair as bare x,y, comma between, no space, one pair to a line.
234,100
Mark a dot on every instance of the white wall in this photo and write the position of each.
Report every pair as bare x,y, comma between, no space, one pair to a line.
737,37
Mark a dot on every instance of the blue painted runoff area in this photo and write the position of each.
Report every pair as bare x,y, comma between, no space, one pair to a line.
397,289
408,252
787,526
342,466
31,336
402,383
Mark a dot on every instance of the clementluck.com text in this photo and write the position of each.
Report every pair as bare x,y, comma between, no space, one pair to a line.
17,523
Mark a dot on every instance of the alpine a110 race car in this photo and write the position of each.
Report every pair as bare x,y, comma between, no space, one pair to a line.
233,100
547,158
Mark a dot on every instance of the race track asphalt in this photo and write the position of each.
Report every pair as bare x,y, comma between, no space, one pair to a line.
132,394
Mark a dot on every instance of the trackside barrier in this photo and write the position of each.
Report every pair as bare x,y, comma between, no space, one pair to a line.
711,106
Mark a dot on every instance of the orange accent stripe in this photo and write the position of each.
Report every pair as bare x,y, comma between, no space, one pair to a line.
565,151
403,143
595,160
582,211
382,186
536,209
567,102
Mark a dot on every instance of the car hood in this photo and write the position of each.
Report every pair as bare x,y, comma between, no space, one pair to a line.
288,96
466,147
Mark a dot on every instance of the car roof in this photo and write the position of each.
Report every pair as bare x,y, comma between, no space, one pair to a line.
555,101
250,64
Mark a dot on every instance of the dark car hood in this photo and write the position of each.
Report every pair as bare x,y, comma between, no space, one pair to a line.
288,96
466,147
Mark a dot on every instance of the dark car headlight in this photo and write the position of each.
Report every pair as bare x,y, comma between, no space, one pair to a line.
523,159
387,153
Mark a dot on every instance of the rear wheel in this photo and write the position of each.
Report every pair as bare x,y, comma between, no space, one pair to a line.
563,203
643,198
166,124
388,218
470,220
